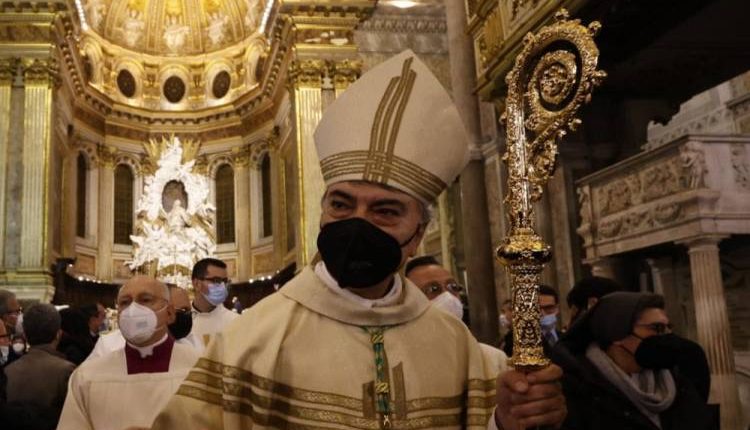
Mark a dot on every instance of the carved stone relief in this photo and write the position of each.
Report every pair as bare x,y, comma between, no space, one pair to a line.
640,220
740,166
693,165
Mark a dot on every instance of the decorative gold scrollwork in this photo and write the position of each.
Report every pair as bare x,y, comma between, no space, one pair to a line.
552,78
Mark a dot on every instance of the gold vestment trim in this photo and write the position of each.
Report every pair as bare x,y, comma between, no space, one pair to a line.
211,376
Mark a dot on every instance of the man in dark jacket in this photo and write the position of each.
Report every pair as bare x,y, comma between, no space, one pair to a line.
38,381
620,364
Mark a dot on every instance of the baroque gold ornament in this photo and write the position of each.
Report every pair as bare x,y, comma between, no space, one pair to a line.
552,78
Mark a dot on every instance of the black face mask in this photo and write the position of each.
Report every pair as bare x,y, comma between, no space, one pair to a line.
358,254
182,325
659,352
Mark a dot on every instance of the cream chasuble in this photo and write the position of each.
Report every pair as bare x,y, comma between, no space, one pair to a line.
309,358
102,396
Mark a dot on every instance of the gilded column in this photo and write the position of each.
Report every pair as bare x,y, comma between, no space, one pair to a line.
242,210
476,231
714,332
306,78
39,82
7,75
106,212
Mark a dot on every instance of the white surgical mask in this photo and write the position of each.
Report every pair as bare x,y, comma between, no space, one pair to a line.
137,323
19,348
19,325
449,303
4,351
549,322
504,323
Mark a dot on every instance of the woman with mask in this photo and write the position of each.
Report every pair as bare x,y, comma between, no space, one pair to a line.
621,365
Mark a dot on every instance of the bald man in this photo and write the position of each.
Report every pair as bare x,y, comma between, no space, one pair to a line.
129,386
180,327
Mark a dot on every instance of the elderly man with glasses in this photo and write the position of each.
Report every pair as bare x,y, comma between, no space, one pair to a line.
129,386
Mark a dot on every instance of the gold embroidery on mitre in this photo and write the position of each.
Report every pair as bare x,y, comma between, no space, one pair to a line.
379,163
418,180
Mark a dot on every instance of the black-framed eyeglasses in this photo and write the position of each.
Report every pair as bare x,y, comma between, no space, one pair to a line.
436,288
18,311
216,280
657,327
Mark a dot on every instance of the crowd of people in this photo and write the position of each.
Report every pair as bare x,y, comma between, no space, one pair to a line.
69,369
365,336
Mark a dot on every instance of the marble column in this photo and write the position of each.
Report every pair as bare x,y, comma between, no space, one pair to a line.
563,238
70,191
39,81
478,249
106,213
242,212
714,332
7,75
307,101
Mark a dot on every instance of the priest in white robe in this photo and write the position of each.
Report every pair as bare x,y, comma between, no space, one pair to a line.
129,386
349,343
180,328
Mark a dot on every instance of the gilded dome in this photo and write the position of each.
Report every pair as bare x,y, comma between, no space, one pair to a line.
174,27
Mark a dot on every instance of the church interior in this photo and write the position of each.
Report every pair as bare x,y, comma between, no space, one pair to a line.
137,136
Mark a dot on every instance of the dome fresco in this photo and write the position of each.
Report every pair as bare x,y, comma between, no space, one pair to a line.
174,27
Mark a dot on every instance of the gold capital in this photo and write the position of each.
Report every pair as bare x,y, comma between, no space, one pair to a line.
307,73
40,71
8,70
107,156
345,72
241,156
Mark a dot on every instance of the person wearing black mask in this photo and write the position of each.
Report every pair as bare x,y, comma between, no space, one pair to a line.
182,327
621,365
349,342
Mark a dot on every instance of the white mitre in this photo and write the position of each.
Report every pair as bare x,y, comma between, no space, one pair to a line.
395,126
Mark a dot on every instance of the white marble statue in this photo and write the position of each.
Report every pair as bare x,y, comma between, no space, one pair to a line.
177,218
182,236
